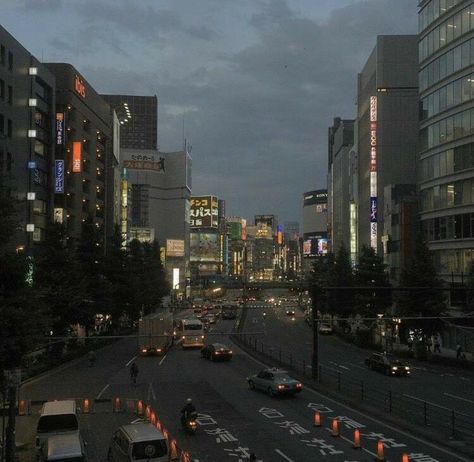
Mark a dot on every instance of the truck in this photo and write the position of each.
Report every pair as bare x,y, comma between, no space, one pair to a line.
155,333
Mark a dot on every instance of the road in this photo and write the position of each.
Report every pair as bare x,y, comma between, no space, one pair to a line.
234,420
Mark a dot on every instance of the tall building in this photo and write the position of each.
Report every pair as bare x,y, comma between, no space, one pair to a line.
138,116
27,92
340,142
264,249
446,159
84,147
291,230
387,130
315,226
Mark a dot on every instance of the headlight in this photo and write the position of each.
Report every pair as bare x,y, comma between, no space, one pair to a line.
230,352
394,368
407,368
281,387
183,337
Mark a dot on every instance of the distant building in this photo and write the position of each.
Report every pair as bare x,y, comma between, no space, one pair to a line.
138,117
264,249
340,142
27,139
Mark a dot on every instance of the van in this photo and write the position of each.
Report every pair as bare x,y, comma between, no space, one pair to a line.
61,448
57,417
138,442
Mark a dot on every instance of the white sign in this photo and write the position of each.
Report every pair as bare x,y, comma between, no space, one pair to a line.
373,109
31,196
176,278
174,248
58,215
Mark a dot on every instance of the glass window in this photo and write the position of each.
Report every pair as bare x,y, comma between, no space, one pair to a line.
465,15
457,91
435,134
442,66
442,164
466,191
457,25
458,193
457,227
436,197
466,89
449,129
449,95
472,121
449,30
466,225
465,54
449,62
457,58
442,34
458,131
430,105
442,98
466,122
449,195
436,166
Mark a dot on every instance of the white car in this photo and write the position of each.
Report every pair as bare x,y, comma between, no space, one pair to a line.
325,328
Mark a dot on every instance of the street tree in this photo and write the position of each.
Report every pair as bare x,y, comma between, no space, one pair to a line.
371,275
426,302
342,301
320,278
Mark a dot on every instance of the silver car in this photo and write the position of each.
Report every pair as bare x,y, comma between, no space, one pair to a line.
275,382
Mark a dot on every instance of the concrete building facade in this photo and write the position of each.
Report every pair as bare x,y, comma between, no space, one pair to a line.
340,142
387,130
446,159
27,141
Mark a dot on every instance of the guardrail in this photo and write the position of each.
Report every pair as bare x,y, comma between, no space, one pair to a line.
451,423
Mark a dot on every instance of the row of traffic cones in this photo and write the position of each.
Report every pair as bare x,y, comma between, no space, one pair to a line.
380,456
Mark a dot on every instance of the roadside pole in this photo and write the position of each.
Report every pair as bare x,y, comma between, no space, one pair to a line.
315,357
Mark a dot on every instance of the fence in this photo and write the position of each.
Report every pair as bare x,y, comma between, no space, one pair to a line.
449,422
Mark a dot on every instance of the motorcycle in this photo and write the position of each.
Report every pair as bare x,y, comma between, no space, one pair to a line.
189,423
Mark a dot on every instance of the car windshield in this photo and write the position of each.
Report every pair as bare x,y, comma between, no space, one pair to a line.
54,423
149,449
193,327
282,377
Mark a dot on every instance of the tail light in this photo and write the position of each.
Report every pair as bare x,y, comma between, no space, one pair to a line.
298,385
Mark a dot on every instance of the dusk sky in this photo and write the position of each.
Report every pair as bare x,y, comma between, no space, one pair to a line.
258,81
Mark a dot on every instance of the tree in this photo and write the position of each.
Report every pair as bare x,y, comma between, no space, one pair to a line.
429,300
342,301
370,273
321,277
156,286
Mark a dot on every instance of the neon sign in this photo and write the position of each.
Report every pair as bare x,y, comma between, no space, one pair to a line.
373,173
79,86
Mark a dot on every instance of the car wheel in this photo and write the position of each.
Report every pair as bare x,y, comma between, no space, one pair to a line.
271,392
251,385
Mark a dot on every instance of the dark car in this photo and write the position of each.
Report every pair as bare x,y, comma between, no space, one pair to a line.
387,364
275,382
290,312
217,352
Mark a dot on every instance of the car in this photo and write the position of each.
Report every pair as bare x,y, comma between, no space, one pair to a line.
387,364
216,352
325,328
290,312
210,318
275,382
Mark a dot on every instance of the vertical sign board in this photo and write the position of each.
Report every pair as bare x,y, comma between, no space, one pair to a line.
59,176
373,172
76,156
60,128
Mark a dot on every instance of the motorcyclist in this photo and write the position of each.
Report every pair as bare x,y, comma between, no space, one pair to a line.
188,410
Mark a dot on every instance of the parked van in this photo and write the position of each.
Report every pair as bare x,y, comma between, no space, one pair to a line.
63,448
57,417
138,442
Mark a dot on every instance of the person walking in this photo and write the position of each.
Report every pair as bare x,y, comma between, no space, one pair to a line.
437,343
459,353
134,373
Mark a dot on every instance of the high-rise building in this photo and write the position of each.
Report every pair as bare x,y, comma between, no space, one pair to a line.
138,116
446,159
84,147
291,230
340,142
264,249
387,130
27,142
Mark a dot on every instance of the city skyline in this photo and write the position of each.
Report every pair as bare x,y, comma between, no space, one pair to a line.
262,99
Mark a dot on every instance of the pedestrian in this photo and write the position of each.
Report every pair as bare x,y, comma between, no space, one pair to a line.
134,373
437,343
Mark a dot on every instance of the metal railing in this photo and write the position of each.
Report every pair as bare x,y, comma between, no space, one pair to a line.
449,422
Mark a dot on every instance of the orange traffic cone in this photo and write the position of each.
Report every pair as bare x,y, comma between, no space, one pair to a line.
380,451
356,444
317,419
86,406
174,450
405,458
117,405
139,407
335,427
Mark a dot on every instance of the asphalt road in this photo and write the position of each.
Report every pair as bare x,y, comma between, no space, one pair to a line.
234,420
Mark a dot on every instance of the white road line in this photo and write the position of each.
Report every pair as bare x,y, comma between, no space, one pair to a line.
344,367
150,389
103,391
373,419
351,442
459,397
131,361
162,359
283,455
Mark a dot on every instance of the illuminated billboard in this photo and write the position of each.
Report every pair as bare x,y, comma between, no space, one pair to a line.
323,246
145,161
204,212
280,235
60,128
373,173
234,228
76,156
307,248
204,247
174,248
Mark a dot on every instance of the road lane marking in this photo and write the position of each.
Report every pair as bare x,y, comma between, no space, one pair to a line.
103,391
283,455
131,361
344,367
371,418
352,442
459,397
162,359
151,391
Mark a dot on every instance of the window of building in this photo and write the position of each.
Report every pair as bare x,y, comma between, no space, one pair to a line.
39,206
9,161
2,124
2,89
10,61
2,54
10,94
38,234
39,148
9,128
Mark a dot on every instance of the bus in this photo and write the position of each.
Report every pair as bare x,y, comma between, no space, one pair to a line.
191,332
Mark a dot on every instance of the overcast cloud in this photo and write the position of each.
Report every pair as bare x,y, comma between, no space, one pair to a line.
258,81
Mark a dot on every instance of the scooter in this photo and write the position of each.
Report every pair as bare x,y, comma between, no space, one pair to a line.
190,424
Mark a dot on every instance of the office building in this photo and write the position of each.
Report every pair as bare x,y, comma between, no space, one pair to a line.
138,116
84,147
446,158
340,142
387,130
27,106
315,226
265,253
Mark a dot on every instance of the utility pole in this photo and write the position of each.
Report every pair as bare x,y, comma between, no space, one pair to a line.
315,357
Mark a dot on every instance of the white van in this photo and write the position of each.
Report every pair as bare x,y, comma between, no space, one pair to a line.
57,417
138,442
68,447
